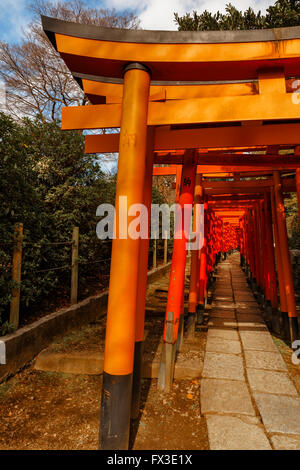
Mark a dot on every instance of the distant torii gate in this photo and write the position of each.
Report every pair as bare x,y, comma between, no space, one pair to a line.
240,119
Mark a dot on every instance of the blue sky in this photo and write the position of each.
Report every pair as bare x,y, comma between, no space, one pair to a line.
154,14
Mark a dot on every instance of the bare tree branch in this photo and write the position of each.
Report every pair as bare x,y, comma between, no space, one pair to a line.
37,80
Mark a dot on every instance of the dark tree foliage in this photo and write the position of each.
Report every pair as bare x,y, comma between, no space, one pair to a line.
49,184
282,13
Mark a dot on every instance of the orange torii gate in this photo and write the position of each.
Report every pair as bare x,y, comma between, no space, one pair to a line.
239,118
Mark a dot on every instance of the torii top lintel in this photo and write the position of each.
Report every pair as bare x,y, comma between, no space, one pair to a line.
174,56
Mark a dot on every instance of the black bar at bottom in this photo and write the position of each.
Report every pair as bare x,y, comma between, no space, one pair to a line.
136,380
115,412
294,328
285,326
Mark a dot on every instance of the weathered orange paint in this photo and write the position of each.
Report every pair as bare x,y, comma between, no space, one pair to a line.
284,248
181,61
193,293
272,284
112,92
144,244
190,111
282,293
120,340
223,137
177,274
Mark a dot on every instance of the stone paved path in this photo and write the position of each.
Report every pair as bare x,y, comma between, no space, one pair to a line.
247,395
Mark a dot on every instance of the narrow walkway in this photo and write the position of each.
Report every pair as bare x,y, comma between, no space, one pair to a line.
247,395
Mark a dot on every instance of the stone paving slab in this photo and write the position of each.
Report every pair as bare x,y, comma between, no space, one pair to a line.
223,334
268,381
220,345
225,396
285,443
223,286
220,305
242,287
244,298
251,326
233,422
222,323
280,413
223,283
225,314
222,298
265,360
232,433
247,305
224,294
223,366
250,309
257,341
251,318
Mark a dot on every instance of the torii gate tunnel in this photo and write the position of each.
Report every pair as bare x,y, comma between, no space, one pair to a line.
221,109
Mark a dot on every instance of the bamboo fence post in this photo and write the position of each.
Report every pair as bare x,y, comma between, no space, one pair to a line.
74,275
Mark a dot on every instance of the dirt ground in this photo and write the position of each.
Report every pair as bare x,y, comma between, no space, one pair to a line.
56,411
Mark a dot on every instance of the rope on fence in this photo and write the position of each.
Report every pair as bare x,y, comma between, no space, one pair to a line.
46,243
95,262
48,270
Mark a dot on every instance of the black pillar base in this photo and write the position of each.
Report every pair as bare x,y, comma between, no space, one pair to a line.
136,380
276,326
294,329
285,326
200,313
253,284
180,333
191,324
241,260
268,313
115,412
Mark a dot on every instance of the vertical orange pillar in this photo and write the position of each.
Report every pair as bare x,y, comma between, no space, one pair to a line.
283,304
259,250
124,272
298,191
255,279
292,332
174,314
203,263
272,302
264,250
142,284
193,294
178,182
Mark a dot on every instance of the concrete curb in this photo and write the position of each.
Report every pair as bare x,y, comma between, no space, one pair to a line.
91,363
23,345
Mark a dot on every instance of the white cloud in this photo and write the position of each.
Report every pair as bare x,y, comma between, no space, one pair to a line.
159,14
